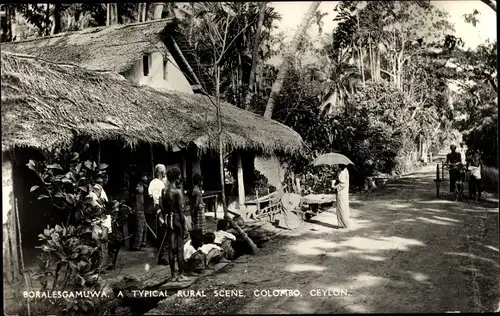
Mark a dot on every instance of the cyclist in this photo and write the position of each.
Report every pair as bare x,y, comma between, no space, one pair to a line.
454,163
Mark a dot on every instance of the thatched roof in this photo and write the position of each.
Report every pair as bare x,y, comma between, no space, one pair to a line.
44,103
97,48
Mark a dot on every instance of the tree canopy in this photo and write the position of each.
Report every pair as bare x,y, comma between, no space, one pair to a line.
381,88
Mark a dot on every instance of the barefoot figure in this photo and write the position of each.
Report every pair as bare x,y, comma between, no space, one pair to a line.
341,187
173,211
197,205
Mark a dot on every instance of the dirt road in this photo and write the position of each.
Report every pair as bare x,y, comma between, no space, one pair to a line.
406,252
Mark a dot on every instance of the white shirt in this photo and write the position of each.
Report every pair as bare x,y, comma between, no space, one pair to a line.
207,247
463,151
107,221
475,172
221,236
155,188
344,180
188,250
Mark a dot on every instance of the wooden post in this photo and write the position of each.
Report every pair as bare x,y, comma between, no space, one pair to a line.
10,253
126,234
196,162
14,244
241,183
298,186
292,176
152,160
7,258
183,164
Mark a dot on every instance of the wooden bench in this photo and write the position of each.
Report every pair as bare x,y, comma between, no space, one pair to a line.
269,205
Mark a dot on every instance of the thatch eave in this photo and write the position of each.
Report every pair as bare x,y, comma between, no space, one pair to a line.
44,104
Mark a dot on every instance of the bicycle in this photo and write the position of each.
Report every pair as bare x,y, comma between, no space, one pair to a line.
458,190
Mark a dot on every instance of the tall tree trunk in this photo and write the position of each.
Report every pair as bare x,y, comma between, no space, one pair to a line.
108,14
115,13
56,19
158,10
240,80
362,64
7,25
255,55
221,165
370,53
48,17
354,55
191,23
280,79
144,12
378,65
259,76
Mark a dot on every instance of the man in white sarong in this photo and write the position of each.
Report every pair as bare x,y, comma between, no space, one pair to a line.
341,186
156,187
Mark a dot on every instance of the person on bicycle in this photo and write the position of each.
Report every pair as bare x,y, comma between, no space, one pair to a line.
454,162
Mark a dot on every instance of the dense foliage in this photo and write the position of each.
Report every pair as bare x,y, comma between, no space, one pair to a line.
377,89
72,251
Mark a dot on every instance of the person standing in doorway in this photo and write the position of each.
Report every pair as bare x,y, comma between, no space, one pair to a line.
141,195
155,190
197,205
172,203
341,187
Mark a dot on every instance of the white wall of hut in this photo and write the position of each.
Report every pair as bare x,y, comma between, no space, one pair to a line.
162,73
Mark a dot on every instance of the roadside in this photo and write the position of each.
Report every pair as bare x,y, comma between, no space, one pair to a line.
406,252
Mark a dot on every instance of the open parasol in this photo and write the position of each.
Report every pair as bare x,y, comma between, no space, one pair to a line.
332,159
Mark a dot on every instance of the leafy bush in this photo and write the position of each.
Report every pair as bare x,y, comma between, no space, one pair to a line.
489,177
67,182
74,249
318,179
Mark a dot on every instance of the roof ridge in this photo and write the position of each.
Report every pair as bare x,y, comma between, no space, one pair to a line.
91,29
19,55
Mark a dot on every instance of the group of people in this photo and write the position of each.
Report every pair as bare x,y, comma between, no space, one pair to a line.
465,165
178,240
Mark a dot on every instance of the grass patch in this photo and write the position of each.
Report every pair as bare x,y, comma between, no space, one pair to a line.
489,177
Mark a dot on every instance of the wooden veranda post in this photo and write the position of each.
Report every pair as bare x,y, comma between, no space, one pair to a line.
152,160
221,165
10,242
241,183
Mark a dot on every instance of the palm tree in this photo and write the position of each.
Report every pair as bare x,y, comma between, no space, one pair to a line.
340,86
255,54
297,39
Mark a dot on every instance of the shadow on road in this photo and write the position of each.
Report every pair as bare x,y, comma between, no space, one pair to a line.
406,252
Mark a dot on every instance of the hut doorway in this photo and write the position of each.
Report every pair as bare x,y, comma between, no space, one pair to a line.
34,215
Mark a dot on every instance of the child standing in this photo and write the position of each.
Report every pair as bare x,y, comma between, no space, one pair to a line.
197,205
141,196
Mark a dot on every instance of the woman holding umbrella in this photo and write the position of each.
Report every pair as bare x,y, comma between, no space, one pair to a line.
341,185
